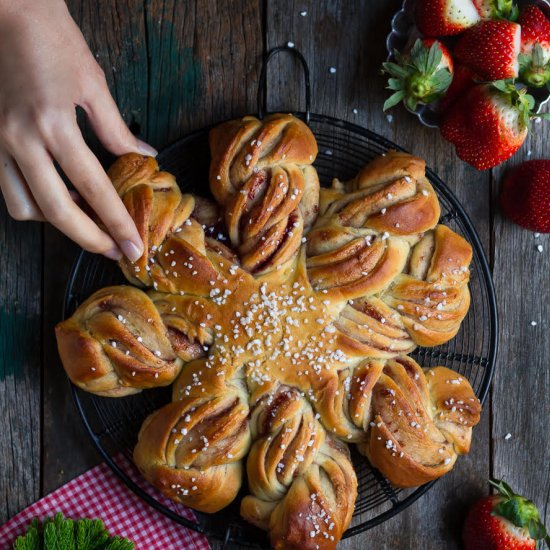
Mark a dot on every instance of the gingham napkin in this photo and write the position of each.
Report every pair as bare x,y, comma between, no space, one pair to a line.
98,493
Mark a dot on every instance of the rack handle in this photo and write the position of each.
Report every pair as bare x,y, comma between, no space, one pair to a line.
262,85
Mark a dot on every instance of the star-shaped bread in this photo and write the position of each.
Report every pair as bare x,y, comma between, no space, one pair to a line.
283,314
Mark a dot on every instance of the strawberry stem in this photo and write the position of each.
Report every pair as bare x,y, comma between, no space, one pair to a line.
420,77
533,68
506,9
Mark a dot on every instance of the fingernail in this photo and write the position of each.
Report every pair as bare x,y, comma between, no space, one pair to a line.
131,250
113,254
146,149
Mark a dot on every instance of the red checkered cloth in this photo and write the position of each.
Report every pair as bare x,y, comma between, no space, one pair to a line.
98,493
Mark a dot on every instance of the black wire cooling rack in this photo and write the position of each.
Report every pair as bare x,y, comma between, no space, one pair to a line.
344,148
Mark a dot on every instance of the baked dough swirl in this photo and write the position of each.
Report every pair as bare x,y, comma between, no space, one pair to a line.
283,313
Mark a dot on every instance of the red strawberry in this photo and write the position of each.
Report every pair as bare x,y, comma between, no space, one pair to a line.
535,27
491,9
446,59
534,59
444,17
525,196
491,49
489,123
463,79
421,76
503,522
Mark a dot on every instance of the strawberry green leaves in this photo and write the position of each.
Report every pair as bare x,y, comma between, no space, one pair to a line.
520,100
519,510
493,9
422,76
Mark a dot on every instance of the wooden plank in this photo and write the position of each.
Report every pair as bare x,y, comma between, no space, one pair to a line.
20,360
350,36
66,448
204,64
521,389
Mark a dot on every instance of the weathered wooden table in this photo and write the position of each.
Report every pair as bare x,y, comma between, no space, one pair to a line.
174,66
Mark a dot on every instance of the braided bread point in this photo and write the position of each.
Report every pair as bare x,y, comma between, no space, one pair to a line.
155,203
367,327
261,175
390,194
178,257
455,408
431,296
353,262
399,297
411,424
116,344
192,449
302,481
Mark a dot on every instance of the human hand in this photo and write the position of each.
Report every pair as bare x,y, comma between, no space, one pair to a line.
46,70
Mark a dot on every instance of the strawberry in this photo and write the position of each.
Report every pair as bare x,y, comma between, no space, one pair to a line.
444,17
525,195
463,79
492,9
503,522
491,49
534,59
422,76
489,123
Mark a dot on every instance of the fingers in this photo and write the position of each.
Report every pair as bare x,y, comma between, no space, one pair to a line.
86,173
109,125
55,203
19,200
33,189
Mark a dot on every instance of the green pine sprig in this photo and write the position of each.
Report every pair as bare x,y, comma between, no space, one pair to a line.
59,533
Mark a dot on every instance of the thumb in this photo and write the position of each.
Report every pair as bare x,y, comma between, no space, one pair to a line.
109,126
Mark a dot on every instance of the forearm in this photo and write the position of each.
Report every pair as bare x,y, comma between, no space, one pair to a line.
31,9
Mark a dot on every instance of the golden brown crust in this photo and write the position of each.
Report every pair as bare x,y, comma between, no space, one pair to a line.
188,320
423,291
155,203
391,194
262,177
367,327
302,481
191,450
411,424
456,410
353,262
178,256
290,349
388,167
432,299
239,146
116,344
